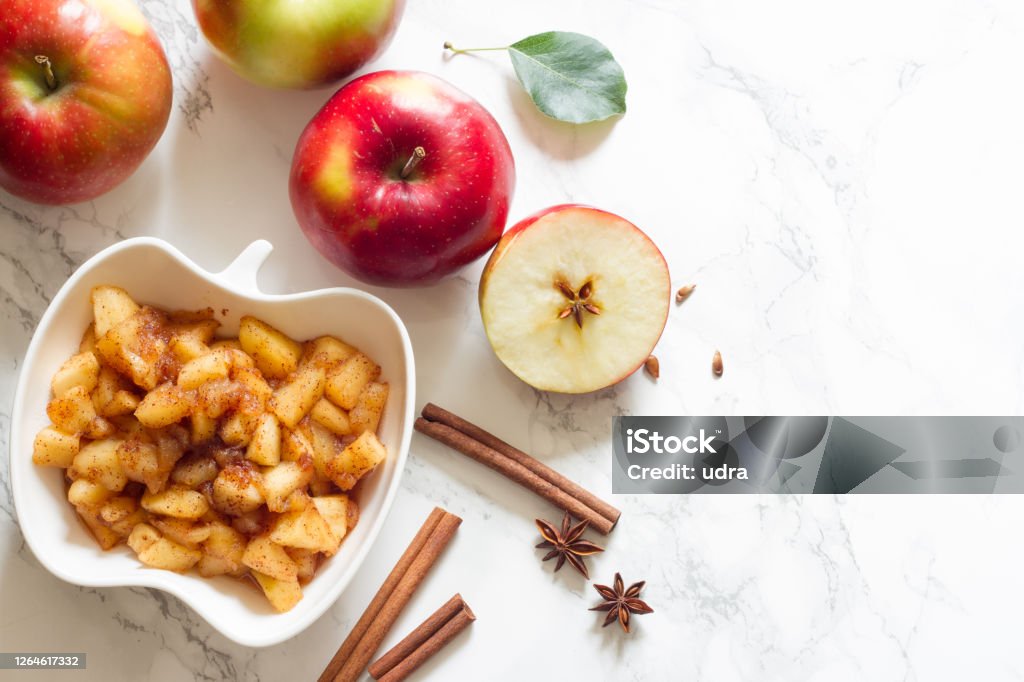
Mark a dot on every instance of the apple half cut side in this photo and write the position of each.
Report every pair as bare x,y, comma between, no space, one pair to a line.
573,299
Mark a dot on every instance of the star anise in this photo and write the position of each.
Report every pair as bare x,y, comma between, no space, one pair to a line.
567,544
620,602
579,301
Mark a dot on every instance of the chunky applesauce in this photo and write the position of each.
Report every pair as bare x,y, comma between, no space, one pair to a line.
227,456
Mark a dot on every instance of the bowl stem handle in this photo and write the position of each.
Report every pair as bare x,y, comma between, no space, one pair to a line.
241,274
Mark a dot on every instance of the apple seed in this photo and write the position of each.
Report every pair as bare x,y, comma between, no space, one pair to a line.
684,293
579,301
716,364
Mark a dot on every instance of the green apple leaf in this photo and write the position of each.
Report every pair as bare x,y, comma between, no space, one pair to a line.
570,76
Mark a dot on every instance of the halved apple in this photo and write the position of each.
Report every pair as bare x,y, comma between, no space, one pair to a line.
574,299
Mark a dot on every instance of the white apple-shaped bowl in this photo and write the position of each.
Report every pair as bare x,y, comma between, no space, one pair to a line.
156,273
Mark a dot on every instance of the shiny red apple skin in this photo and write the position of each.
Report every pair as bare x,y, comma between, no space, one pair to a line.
110,106
356,209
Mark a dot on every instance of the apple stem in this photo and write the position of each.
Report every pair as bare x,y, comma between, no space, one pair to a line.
449,46
51,80
418,155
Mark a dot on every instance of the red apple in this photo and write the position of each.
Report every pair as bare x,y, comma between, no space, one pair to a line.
298,43
574,299
85,93
401,179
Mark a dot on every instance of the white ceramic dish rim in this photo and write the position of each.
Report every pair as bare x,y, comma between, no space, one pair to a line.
240,277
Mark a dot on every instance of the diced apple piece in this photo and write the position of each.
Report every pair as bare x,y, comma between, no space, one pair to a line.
237,429
214,398
110,307
356,460
122,514
202,369
142,536
275,353
183,531
210,566
123,402
134,347
305,529
324,443
265,446
306,560
236,490
105,537
332,417
203,427
222,551
179,503
150,463
346,382
99,428
163,406
334,510
79,370
282,594
53,448
295,447
108,382
170,556
266,556
84,493
187,348
170,445
73,412
297,501
327,351
193,470
253,383
111,397
293,400
365,416
140,462
117,509
282,481
99,463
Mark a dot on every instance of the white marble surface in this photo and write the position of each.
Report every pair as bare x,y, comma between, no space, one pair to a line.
843,182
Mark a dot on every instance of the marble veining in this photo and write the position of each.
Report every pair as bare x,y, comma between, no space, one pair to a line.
841,183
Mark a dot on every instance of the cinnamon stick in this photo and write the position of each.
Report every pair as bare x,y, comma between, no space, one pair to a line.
435,413
514,471
371,629
423,642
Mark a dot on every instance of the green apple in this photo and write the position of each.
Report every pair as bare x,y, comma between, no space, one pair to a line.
298,43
